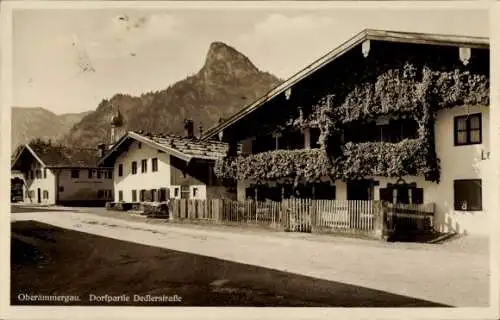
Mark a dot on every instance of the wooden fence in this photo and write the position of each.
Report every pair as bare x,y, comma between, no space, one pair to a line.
409,218
305,215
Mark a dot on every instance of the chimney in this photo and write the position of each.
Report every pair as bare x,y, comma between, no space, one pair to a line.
101,147
189,128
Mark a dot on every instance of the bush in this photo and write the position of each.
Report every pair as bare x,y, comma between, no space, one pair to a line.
137,206
156,210
123,206
110,205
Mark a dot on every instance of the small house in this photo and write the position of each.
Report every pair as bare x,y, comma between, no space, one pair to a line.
156,167
56,175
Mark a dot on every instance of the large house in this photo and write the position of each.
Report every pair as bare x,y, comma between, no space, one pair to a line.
393,116
149,167
51,174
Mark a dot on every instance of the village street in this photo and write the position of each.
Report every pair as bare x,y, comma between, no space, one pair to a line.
450,274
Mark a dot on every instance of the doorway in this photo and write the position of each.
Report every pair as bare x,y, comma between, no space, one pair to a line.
360,190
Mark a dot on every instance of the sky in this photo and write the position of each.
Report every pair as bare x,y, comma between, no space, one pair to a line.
67,61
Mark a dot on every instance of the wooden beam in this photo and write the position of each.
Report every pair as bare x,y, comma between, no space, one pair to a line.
464,54
307,138
365,48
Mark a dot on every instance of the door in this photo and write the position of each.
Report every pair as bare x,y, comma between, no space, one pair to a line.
39,195
360,190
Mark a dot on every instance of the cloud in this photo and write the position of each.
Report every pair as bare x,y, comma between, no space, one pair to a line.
269,42
125,34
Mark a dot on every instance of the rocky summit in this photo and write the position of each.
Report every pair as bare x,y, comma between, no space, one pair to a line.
226,83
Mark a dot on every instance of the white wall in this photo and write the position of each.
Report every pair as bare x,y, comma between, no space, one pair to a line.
461,162
148,180
457,162
44,184
83,188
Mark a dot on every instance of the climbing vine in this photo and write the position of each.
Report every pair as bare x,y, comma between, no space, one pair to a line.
414,91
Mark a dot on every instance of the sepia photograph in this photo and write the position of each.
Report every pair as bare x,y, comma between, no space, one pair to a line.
249,155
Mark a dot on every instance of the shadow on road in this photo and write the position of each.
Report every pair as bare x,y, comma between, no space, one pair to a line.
54,261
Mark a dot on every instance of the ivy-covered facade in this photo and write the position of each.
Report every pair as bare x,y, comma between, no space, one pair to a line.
374,110
406,92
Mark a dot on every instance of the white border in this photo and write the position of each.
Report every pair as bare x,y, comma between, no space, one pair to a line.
8,312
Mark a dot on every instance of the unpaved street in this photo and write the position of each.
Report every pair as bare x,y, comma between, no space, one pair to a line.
428,272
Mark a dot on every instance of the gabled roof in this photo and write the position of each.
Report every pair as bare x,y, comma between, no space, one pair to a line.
180,147
367,34
59,156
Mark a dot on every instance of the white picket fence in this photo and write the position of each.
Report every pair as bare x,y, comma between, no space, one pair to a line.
305,215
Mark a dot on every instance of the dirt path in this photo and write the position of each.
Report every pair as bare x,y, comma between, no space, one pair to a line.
449,277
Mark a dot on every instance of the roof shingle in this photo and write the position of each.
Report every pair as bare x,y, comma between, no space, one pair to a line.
58,156
191,147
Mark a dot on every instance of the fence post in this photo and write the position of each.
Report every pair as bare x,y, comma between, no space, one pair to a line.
380,227
282,223
314,215
220,205
172,209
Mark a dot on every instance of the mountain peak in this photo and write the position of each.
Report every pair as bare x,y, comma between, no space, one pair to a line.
224,63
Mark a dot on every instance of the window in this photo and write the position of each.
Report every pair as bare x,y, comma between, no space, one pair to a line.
314,137
143,195
144,166
468,129
291,140
120,195
386,194
45,173
404,193
176,192
38,173
163,194
154,164
90,173
75,173
467,195
99,174
45,194
185,192
139,145
134,195
264,143
32,175
195,192
61,189
134,167
100,193
120,170
110,174
153,195
417,196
